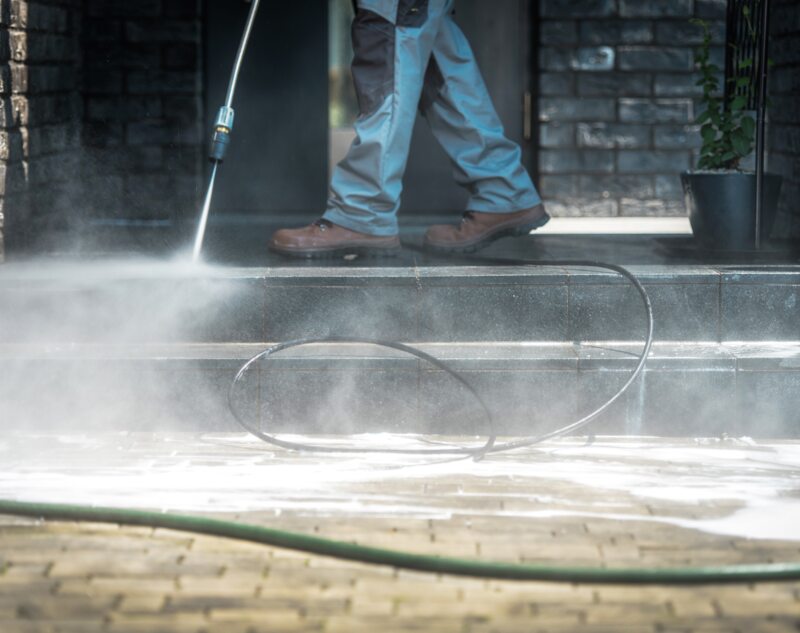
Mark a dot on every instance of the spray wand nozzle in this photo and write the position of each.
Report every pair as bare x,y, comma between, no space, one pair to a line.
222,134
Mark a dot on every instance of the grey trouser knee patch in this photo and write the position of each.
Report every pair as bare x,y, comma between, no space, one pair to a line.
373,61
412,13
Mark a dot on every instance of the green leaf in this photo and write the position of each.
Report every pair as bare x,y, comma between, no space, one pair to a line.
704,116
749,126
708,133
740,145
746,63
728,156
742,82
738,103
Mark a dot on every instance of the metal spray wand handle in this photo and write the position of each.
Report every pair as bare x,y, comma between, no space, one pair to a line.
222,131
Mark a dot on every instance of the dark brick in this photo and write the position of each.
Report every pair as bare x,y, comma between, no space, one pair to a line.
673,33
127,108
164,31
565,109
582,207
180,8
51,139
613,135
577,8
617,185
637,207
711,9
140,56
555,59
124,8
558,186
133,160
39,17
554,161
559,32
557,84
557,134
639,161
614,32
158,132
655,8
103,82
677,85
655,110
161,82
102,30
593,59
669,187
655,58
103,134
184,109
44,109
180,56
615,85
677,137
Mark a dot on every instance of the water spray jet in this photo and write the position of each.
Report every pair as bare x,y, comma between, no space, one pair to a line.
222,132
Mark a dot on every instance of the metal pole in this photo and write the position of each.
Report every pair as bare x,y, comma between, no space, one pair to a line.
763,70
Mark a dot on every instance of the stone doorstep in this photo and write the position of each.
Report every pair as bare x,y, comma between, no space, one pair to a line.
447,304
688,389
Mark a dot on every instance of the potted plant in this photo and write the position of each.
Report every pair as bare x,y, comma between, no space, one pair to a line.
720,196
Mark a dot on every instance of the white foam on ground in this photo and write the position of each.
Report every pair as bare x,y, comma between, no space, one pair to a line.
754,489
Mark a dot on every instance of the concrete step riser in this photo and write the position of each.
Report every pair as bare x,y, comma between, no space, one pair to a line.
705,395
424,305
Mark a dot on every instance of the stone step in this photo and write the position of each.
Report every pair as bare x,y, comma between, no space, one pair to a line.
697,389
145,302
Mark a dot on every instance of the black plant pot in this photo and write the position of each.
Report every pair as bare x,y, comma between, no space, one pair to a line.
722,208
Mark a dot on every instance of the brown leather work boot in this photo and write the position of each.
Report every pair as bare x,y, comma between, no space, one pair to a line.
325,239
478,230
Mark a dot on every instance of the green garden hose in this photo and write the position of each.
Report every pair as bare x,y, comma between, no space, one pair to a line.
406,560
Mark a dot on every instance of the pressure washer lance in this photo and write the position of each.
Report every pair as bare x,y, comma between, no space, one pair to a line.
222,132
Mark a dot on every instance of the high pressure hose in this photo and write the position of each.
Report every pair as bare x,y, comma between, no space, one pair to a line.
378,556
491,446
406,560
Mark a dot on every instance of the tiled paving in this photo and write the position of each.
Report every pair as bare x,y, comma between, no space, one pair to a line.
618,502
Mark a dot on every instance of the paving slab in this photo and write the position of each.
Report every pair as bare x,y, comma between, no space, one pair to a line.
629,502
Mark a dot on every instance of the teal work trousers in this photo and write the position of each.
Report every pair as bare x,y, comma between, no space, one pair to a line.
411,55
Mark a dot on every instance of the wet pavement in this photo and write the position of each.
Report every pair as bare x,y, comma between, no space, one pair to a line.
633,502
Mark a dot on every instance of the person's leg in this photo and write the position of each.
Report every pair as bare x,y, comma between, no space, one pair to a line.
393,41
459,110
503,200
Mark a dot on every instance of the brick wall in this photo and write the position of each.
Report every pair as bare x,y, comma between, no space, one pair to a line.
142,90
39,95
785,112
618,101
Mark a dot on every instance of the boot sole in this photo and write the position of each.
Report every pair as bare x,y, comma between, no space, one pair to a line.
340,252
517,231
